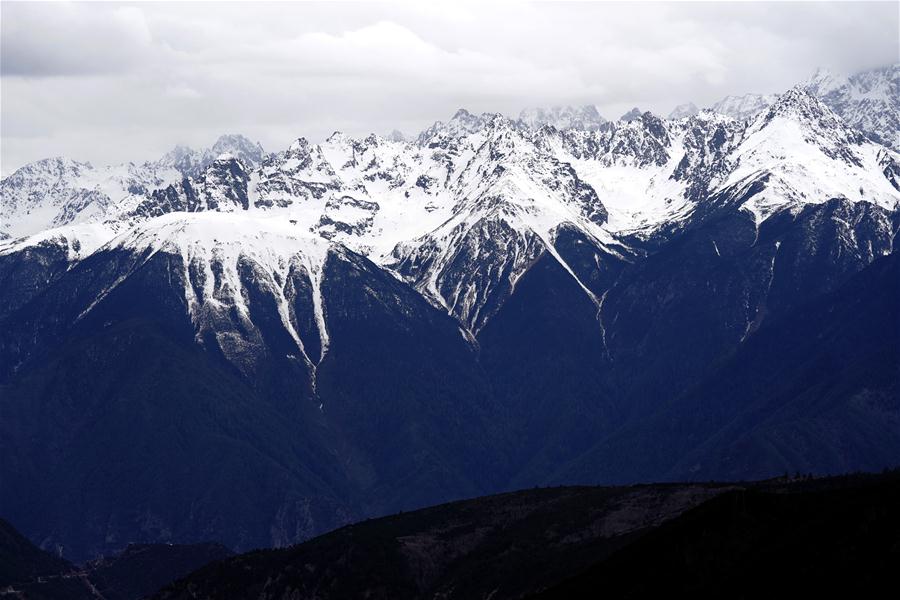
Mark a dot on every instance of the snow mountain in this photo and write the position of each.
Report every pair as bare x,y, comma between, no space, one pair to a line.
483,190
509,200
59,191
273,344
868,101
807,154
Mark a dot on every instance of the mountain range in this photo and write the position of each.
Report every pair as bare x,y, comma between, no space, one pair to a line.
258,347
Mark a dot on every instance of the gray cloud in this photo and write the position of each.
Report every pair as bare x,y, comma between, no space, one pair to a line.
108,82
71,39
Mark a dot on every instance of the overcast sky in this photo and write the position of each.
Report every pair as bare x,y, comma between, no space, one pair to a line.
118,82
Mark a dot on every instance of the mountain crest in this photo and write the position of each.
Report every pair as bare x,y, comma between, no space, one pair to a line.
824,81
461,124
191,163
688,109
632,115
239,146
743,107
584,118
802,107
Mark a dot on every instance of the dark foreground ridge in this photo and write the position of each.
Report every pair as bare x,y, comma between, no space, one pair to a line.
753,543
806,535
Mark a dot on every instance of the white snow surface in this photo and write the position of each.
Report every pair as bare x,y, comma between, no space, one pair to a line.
272,243
54,192
807,165
457,184
80,240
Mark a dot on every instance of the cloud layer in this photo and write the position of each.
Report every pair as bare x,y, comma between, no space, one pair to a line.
107,82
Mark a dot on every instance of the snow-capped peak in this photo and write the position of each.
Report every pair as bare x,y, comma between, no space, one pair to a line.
466,120
807,154
216,251
462,123
684,110
240,147
510,199
59,191
824,81
867,101
802,107
585,118
743,107
191,162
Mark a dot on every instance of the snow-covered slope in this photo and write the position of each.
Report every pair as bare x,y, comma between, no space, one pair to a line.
391,191
220,252
58,191
649,172
509,201
868,101
806,154
79,240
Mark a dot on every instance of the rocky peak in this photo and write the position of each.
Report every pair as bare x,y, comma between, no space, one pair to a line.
800,106
640,141
223,185
301,145
462,123
249,152
708,139
337,137
466,119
